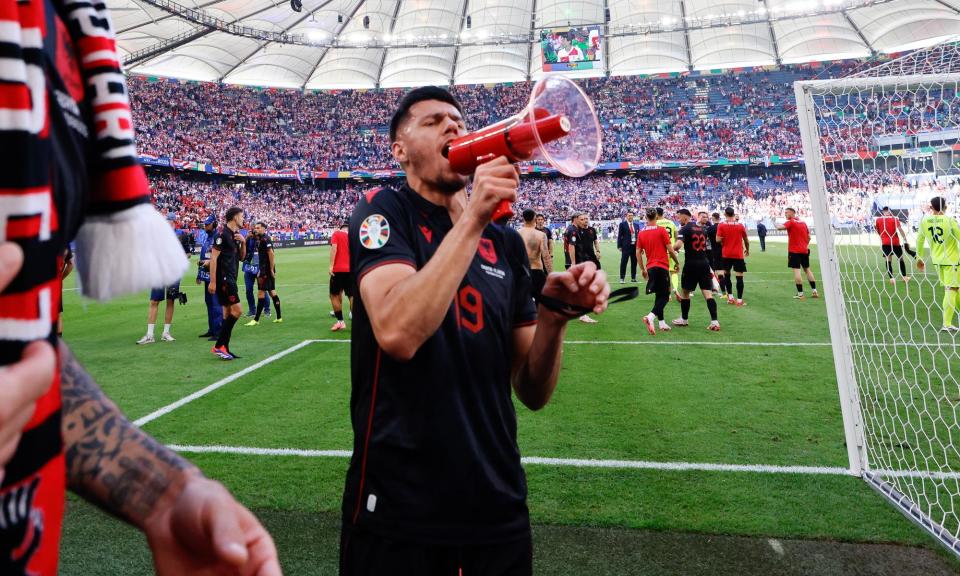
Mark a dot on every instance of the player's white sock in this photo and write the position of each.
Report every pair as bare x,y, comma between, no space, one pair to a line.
150,330
166,328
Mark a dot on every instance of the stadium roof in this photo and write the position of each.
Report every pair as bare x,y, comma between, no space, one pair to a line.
370,43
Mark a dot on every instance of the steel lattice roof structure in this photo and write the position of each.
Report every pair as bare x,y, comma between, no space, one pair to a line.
340,44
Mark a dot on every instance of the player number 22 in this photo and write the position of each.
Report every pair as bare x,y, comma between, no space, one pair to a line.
699,242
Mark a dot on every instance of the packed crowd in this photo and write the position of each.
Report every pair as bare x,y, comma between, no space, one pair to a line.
729,115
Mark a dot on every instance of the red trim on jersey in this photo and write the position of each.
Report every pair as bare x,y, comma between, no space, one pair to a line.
406,261
524,324
371,193
366,440
24,191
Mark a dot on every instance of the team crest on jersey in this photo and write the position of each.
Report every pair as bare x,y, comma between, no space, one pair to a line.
486,250
374,232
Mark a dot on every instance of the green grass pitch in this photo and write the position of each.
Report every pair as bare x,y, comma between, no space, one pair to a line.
675,397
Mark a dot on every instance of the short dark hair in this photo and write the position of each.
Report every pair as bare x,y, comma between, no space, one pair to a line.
715,215
885,209
262,224
575,216
651,213
419,95
683,211
344,224
790,209
938,203
529,215
232,212
729,211
659,210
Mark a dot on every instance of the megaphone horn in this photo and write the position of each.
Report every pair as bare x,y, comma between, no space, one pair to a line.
559,126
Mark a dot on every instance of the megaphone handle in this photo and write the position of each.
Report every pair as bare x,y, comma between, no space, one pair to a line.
503,211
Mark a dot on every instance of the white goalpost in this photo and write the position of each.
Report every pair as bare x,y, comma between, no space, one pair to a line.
890,137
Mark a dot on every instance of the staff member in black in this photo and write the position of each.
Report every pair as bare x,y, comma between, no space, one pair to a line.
227,252
444,329
627,244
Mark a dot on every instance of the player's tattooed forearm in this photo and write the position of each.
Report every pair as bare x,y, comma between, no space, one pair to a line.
110,461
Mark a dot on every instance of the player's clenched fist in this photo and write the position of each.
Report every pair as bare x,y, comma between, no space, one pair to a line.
582,285
24,382
493,181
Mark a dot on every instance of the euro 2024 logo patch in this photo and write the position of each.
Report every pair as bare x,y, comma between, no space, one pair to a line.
374,232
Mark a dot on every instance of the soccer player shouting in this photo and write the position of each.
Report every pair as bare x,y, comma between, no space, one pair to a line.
654,241
944,235
444,328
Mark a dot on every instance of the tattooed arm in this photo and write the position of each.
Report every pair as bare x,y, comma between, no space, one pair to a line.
193,525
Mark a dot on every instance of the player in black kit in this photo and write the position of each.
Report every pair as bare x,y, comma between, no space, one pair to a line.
267,277
445,330
696,269
228,250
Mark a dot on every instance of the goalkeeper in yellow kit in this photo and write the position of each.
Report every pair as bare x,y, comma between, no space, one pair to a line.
943,232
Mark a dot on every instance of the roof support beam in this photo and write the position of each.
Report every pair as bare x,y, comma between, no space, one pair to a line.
383,57
176,42
336,36
606,32
686,34
773,37
456,51
533,36
873,52
165,45
949,7
166,17
285,30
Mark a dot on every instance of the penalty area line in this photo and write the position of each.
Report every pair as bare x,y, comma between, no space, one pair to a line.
219,384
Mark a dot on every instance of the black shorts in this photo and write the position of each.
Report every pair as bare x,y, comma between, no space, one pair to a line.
735,264
696,274
716,260
227,293
795,260
658,280
889,249
538,278
363,553
266,283
341,282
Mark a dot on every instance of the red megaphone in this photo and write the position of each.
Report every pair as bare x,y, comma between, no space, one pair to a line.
558,126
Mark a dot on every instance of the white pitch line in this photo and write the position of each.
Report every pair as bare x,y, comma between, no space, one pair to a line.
588,463
776,545
219,384
537,461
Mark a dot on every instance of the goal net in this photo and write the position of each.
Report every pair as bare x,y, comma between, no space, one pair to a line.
888,138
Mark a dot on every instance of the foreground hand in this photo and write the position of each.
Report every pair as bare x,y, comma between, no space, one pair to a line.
920,265
493,181
207,532
581,285
211,288
646,275
24,382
